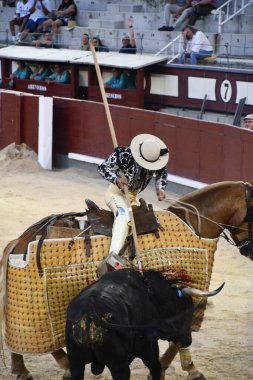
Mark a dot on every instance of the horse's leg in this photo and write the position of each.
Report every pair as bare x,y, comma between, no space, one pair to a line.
62,360
188,365
167,358
18,367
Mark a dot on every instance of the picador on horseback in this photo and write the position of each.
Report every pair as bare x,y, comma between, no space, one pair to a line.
132,167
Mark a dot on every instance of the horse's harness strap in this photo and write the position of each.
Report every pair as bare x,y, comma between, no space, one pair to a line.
87,243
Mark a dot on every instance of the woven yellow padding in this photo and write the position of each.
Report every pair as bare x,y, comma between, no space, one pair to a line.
36,306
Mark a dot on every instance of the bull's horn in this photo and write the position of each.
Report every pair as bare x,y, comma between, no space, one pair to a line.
201,293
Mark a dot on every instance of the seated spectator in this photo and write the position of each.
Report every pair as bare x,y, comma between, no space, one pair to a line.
180,10
119,79
196,45
46,41
97,43
20,18
85,42
66,12
60,75
23,71
201,8
128,42
39,14
248,122
41,72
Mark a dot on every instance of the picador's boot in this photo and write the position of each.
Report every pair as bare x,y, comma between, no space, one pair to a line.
119,233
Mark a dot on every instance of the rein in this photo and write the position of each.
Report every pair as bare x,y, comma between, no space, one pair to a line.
222,226
190,209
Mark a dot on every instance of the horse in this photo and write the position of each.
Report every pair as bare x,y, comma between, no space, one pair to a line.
208,212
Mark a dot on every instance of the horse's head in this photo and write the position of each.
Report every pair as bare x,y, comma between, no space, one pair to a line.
243,236
224,205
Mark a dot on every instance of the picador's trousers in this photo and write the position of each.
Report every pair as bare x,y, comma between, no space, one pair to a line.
116,201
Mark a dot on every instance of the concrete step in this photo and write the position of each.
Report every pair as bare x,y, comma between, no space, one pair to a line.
91,5
144,4
107,15
107,24
124,8
6,14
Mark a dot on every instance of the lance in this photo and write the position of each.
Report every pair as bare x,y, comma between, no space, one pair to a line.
115,144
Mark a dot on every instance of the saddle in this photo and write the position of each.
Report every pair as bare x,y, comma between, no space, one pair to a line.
101,220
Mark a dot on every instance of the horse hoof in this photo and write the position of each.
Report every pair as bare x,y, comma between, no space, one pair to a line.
24,377
67,375
195,375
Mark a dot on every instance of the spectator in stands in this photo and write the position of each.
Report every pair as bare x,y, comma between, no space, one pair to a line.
23,71
248,122
119,79
195,46
97,43
41,72
180,10
85,42
66,12
20,18
39,14
60,75
128,42
201,8
46,41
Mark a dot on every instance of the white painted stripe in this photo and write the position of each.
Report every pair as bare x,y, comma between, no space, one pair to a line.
171,178
199,87
82,157
45,143
186,182
244,89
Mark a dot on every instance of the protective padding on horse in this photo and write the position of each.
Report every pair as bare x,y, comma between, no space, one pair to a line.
36,306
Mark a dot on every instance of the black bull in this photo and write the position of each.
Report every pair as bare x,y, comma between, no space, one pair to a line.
104,323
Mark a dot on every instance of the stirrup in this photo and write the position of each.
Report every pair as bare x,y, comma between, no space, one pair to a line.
110,263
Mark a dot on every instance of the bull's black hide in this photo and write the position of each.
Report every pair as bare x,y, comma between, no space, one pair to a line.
124,298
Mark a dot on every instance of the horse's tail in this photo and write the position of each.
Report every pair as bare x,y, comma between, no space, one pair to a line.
3,273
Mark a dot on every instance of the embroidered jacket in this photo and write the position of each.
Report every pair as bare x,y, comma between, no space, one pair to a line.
138,177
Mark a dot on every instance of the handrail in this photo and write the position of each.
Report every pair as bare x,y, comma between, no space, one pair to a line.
170,44
223,11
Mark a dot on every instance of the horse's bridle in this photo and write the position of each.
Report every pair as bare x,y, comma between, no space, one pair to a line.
249,202
248,191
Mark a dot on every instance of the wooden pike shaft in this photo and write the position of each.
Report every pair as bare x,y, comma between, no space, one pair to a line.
102,89
115,144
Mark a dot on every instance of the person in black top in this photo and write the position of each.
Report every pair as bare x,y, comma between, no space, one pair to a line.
98,45
128,42
66,12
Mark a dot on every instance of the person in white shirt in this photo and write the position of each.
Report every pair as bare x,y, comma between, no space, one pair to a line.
195,46
39,14
20,18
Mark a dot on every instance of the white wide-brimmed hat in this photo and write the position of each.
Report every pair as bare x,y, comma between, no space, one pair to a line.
149,151
249,117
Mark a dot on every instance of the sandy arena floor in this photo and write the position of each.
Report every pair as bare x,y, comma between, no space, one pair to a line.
222,350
